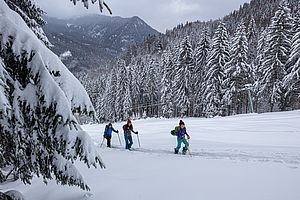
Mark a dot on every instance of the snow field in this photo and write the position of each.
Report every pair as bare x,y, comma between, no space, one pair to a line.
245,157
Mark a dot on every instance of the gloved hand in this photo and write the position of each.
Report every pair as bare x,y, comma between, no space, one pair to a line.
188,137
104,136
117,131
137,132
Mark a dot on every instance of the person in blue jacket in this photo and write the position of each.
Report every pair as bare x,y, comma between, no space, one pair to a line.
181,133
108,133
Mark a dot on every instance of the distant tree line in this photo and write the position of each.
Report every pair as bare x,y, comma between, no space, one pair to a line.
247,62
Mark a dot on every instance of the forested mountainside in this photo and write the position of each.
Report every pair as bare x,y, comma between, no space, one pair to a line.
91,42
246,62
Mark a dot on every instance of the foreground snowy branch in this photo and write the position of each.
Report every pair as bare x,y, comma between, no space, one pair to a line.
38,98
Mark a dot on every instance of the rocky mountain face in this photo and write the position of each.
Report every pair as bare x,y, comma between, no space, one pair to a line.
91,42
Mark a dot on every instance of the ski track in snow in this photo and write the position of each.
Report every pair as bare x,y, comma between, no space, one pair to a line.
291,161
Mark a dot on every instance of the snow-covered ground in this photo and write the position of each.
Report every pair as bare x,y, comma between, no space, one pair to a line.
245,157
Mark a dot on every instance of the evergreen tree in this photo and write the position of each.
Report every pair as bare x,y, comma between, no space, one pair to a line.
276,56
201,60
257,69
166,86
105,105
102,109
215,75
292,80
39,134
143,96
136,87
182,79
238,73
151,95
127,104
123,93
111,97
252,36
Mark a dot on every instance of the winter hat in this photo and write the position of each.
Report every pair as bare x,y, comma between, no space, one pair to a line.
181,123
129,121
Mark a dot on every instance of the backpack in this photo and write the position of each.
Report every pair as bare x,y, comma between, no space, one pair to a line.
174,132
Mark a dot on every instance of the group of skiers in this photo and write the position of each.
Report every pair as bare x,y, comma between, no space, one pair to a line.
127,128
179,131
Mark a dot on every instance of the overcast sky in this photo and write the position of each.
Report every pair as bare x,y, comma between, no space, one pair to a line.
160,14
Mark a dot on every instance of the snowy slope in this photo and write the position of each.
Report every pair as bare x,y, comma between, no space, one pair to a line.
246,157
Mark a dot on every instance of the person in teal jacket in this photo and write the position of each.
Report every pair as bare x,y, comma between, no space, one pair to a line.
108,133
181,133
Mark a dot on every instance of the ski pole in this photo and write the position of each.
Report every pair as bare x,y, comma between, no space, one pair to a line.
102,142
137,135
189,148
119,139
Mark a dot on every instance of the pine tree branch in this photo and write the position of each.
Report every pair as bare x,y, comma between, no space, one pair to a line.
107,7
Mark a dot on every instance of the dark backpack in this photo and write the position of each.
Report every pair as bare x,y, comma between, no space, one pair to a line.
174,132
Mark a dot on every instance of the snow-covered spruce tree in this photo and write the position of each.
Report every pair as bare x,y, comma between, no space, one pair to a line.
135,87
201,60
95,87
106,99
32,15
127,104
166,86
111,96
102,109
141,77
151,95
238,73
214,78
276,56
122,89
252,36
105,110
39,134
182,79
292,79
257,70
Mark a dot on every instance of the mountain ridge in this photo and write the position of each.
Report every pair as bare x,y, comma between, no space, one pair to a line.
94,40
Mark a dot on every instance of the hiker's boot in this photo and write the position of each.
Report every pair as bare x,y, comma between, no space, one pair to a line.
184,150
175,151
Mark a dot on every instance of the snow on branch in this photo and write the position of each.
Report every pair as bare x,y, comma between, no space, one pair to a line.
102,4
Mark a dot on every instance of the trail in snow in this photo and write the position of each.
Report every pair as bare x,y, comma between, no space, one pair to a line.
291,160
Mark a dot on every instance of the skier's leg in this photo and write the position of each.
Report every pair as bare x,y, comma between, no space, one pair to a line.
186,145
179,142
126,140
130,141
108,141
